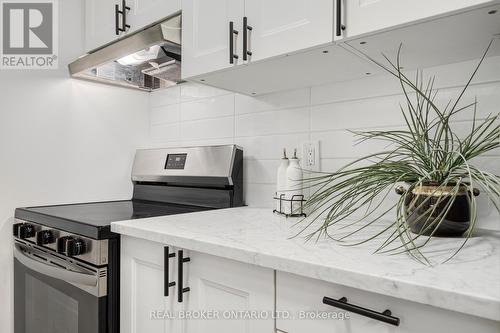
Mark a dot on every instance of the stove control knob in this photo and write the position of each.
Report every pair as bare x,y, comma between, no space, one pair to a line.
75,247
44,237
26,231
62,243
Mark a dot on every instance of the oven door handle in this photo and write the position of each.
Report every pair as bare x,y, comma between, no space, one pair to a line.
54,271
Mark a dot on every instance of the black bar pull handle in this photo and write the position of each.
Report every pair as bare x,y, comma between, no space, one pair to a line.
123,13
246,28
125,8
180,277
166,270
339,24
385,316
232,32
117,20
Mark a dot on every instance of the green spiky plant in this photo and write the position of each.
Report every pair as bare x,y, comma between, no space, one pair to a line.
427,151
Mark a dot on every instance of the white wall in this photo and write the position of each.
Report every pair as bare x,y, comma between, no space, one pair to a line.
192,114
62,140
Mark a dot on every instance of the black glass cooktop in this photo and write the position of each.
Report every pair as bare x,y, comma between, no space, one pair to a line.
94,219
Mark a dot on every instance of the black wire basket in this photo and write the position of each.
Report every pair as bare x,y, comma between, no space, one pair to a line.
296,210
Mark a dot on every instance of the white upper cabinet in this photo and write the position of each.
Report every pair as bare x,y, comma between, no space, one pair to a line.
366,16
145,12
291,44
99,23
103,23
435,42
282,26
206,35
273,28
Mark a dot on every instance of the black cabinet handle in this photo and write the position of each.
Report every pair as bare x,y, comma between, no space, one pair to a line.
180,277
339,24
117,20
232,32
166,270
123,13
125,8
385,316
246,29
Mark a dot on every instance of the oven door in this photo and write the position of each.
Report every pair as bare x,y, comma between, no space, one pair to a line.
54,294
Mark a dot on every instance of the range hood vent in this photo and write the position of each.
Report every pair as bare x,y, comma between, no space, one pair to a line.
149,59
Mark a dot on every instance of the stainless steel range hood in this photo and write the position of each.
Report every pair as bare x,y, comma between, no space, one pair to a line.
147,60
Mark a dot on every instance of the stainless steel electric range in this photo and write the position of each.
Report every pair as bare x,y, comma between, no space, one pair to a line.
67,259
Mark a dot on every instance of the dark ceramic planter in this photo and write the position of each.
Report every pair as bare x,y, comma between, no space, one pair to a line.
419,205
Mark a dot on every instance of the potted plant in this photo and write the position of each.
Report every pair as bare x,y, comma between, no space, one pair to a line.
428,162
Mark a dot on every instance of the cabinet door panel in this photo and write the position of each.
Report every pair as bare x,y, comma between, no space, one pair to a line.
283,26
365,16
227,287
145,12
99,23
147,297
205,35
144,308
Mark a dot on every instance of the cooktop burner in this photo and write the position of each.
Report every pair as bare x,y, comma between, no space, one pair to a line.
94,219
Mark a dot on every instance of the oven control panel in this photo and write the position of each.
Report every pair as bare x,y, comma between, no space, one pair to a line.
83,248
176,161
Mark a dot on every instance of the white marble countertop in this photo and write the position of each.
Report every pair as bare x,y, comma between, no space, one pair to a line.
469,283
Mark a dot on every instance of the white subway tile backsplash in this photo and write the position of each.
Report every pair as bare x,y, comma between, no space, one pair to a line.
260,171
165,132
463,129
165,114
276,122
490,164
193,114
259,195
271,147
165,97
334,164
359,114
208,142
457,74
369,87
207,129
212,107
345,144
487,96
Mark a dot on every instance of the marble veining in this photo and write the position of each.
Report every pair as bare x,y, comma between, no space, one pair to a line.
469,283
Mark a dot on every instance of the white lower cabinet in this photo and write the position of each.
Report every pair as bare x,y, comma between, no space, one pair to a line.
241,295
221,295
143,305
302,299
226,296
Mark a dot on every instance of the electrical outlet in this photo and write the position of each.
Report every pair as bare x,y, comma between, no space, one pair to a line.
310,155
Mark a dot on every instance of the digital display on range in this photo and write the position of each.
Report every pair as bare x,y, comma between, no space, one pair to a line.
175,161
